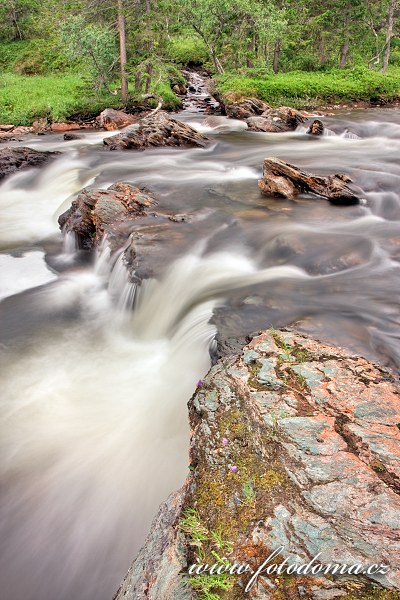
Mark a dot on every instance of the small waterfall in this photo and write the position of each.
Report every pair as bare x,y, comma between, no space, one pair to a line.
29,206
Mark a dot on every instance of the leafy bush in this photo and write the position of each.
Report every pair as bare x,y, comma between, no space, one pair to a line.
187,50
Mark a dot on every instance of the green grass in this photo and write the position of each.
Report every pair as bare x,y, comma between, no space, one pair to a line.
311,89
59,97
25,98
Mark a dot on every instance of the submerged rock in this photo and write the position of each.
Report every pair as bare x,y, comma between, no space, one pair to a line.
14,159
276,120
295,447
156,130
96,212
283,179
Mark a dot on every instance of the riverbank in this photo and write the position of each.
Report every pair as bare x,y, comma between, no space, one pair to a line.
66,97
311,90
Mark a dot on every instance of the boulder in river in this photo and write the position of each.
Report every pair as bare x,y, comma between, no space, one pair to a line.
244,109
14,159
295,449
96,212
276,120
112,119
283,179
156,130
316,128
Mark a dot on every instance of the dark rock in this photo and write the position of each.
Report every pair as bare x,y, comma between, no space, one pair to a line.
316,128
13,159
71,136
312,432
246,108
156,130
96,212
276,120
283,179
112,119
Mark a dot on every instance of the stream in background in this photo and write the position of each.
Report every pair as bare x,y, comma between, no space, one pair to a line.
96,372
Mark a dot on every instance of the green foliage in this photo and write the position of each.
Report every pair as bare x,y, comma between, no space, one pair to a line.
201,540
93,45
187,50
304,90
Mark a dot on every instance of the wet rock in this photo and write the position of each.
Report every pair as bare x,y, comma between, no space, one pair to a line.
283,179
316,128
71,136
96,212
112,119
156,573
295,445
14,159
61,127
41,125
15,134
156,130
246,108
276,120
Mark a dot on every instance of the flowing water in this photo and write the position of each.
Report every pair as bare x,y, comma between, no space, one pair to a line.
96,370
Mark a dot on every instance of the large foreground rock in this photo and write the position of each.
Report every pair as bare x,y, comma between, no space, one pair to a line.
295,446
156,130
14,159
96,212
283,179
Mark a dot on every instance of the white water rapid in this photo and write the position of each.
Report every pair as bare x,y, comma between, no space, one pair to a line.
96,371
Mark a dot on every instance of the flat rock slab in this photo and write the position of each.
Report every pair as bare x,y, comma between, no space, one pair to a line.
14,159
283,179
295,445
156,130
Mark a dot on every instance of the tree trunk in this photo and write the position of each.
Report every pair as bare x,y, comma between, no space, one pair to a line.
217,64
122,51
277,52
344,53
322,52
389,33
149,72
148,26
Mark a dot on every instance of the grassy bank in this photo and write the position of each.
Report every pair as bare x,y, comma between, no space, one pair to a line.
59,97
311,89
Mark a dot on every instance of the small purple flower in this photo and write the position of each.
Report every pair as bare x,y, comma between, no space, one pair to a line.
233,468
225,441
200,383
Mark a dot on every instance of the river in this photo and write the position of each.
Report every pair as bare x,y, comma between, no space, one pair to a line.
96,372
